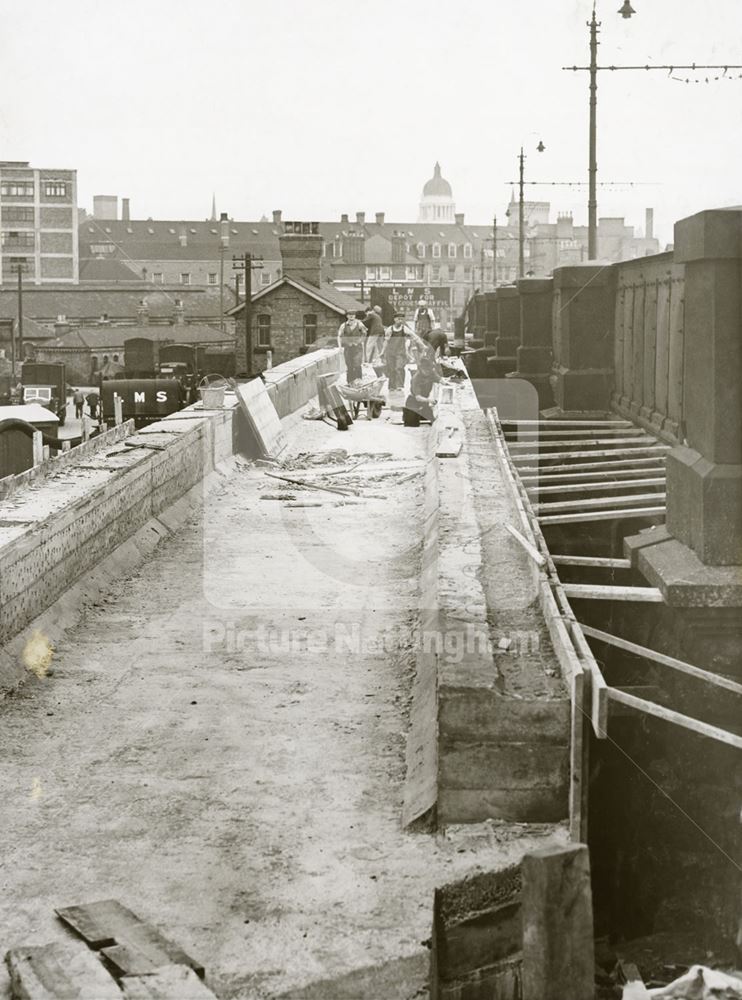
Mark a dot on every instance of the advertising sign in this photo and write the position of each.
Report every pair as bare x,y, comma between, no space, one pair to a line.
404,298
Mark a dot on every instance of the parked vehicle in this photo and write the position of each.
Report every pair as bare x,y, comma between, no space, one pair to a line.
46,383
144,400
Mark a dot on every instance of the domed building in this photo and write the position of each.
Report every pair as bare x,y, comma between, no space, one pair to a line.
437,204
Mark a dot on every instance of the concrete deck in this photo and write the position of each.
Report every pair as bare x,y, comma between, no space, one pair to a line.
221,742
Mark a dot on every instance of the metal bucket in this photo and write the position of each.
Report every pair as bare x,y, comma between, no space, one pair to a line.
212,396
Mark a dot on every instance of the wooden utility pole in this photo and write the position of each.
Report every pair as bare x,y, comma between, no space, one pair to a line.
247,263
494,252
521,221
592,198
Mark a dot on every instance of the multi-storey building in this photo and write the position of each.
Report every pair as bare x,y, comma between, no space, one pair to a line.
38,223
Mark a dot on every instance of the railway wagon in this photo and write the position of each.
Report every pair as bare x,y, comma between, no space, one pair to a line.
144,400
141,357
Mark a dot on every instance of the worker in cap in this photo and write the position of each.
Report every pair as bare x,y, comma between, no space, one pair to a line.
375,342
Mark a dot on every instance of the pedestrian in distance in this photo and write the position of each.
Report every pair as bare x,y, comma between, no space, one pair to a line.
78,398
351,337
93,401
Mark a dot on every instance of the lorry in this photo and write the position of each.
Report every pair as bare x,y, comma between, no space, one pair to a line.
46,383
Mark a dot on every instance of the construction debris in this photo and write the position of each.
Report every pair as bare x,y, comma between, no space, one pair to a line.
62,969
701,983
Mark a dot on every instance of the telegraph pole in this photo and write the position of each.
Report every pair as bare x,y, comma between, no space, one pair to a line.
20,312
248,263
521,213
494,252
592,198
223,244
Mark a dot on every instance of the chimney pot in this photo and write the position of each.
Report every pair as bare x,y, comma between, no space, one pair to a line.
124,209
344,220
360,218
459,217
379,218
277,217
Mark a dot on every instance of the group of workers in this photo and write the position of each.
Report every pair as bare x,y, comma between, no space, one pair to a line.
92,399
363,337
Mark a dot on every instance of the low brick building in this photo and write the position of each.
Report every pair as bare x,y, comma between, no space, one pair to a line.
297,313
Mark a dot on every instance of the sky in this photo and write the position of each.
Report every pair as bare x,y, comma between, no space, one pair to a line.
319,107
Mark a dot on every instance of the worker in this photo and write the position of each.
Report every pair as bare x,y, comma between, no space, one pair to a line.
93,401
375,341
351,336
418,405
424,318
395,352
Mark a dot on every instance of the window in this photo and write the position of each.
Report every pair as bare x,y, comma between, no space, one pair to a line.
436,249
370,273
265,278
18,213
467,250
185,278
17,189
13,239
467,272
55,189
451,249
420,249
264,330
310,329
157,277
385,273
213,278
101,248
435,273
444,273
115,357
414,272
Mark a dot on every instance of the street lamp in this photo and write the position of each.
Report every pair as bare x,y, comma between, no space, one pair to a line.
521,211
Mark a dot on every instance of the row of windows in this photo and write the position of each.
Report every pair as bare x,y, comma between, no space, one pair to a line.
384,273
452,250
158,278
18,213
309,329
25,189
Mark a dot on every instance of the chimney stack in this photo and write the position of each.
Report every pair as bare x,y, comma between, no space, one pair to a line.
649,223
183,236
61,326
343,220
124,209
143,313
106,206
301,251
277,217
399,248
459,217
360,218
223,229
379,218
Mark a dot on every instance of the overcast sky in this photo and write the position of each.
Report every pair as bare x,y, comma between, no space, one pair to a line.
319,107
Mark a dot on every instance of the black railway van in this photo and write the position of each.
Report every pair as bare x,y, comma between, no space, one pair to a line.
143,399
141,357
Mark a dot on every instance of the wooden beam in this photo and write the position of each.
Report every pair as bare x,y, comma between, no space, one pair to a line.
598,503
582,442
603,515
595,487
667,661
624,467
530,549
598,561
657,449
568,423
592,592
538,433
669,715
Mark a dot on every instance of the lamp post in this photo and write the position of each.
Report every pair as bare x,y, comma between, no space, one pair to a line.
521,211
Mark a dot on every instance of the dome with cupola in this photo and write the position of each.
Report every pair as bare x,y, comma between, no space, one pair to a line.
437,204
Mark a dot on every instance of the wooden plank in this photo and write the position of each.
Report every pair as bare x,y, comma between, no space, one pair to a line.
59,971
634,988
677,718
577,435
642,451
262,417
596,487
611,476
530,549
603,515
171,982
667,661
625,467
567,423
132,946
597,561
592,592
596,503
643,437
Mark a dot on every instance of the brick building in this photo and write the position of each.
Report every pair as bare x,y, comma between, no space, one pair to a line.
38,222
300,311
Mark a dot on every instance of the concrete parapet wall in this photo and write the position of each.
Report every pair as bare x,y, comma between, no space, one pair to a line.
292,384
490,718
